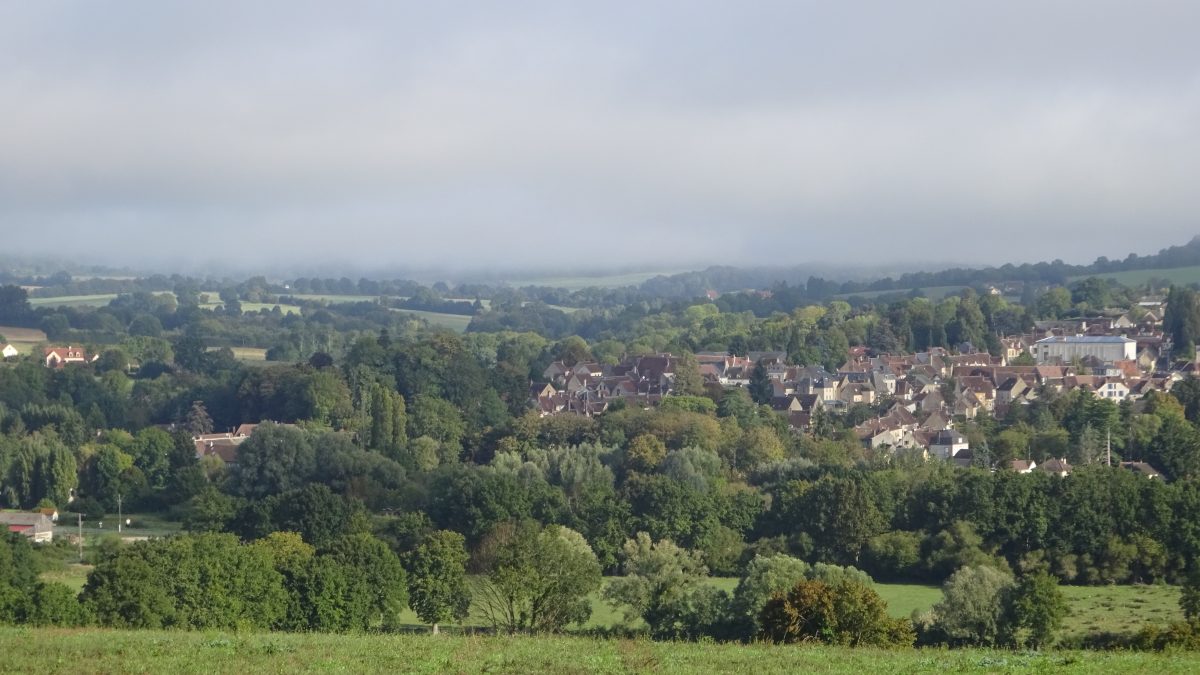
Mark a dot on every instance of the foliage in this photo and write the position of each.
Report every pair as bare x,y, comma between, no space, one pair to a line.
664,586
535,579
845,613
438,589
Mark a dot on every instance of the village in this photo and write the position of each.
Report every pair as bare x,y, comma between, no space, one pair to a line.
924,395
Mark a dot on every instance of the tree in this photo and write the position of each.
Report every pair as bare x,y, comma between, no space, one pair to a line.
197,421
688,381
197,581
761,390
765,577
440,420
846,612
371,564
1034,610
1182,321
645,453
1189,597
535,579
437,582
14,306
972,610
660,586
274,459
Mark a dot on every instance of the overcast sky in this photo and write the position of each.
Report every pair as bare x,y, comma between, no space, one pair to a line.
600,134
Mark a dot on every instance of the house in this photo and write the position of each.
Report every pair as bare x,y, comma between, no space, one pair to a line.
1056,467
1142,469
1022,465
223,446
57,357
36,526
8,351
947,444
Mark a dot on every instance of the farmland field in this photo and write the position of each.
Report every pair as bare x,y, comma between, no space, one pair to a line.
50,650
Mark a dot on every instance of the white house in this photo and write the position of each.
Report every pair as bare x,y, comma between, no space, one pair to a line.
8,351
1116,390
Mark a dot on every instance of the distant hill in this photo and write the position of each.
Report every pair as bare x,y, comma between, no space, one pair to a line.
1173,261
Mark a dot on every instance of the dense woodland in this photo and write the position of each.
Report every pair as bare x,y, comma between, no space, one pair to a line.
401,465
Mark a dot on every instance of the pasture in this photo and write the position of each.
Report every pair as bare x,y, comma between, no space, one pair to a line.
57,650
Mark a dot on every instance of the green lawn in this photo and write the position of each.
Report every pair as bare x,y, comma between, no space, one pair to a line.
49,650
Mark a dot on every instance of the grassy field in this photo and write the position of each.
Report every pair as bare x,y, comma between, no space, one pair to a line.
1175,275
1118,608
48,650
455,322
98,300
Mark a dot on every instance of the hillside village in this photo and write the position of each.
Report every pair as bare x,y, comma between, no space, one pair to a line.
920,397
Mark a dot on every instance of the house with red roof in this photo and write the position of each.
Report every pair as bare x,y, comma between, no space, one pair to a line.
57,357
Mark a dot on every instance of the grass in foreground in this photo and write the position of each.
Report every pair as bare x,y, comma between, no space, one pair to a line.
30,650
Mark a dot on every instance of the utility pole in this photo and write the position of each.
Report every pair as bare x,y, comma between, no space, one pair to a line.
79,539
120,518
1108,449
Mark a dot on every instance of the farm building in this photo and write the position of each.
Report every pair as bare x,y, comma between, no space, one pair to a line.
37,526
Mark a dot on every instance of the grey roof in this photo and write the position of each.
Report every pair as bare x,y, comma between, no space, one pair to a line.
1105,339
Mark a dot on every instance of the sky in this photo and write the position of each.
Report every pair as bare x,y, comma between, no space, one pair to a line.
600,135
